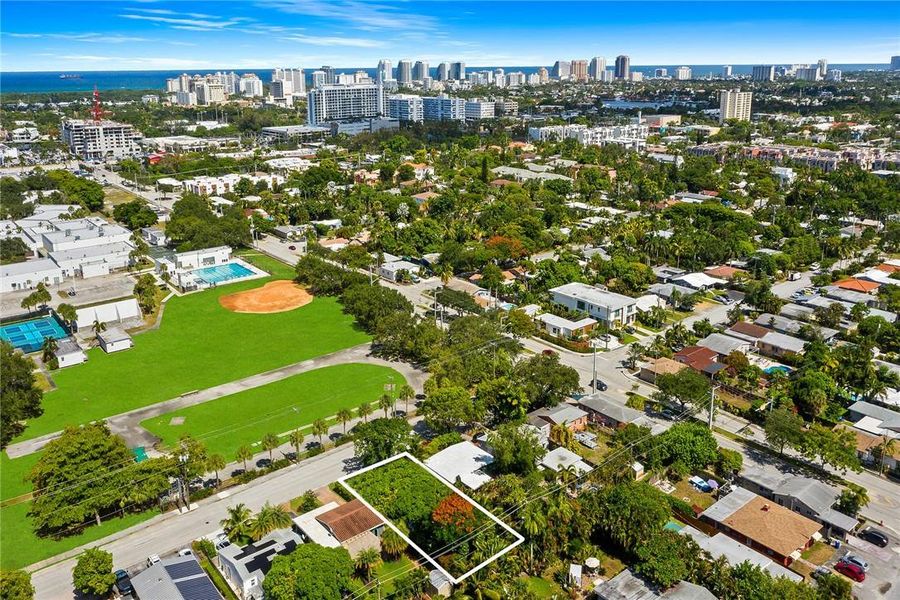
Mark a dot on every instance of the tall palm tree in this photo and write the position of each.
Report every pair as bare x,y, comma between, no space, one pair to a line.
367,561
364,410
67,313
268,519
235,525
406,394
886,448
296,438
344,416
319,428
269,442
215,462
635,353
385,403
445,271
244,453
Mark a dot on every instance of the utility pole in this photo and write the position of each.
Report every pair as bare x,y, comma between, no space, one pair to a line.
594,370
182,462
712,405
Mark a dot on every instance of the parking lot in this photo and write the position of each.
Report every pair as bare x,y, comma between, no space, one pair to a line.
87,291
884,566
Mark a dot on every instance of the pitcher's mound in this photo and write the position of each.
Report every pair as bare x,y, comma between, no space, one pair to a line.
275,296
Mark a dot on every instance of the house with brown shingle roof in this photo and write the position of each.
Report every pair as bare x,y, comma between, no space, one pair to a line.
659,366
724,272
747,331
763,525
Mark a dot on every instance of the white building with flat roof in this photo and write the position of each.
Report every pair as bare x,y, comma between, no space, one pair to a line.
92,261
406,107
343,102
734,104
99,140
83,233
27,275
610,308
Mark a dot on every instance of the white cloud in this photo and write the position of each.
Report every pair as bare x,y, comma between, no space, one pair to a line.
92,38
362,15
316,40
186,21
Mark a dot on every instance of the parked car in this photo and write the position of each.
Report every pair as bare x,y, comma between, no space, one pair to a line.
185,552
820,572
152,560
874,536
123,583
855,560
599,385
850,570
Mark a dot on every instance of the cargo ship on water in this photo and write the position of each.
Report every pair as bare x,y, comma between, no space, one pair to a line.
70,76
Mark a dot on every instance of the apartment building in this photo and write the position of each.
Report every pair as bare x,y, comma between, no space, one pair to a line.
734,104
99,140
343,102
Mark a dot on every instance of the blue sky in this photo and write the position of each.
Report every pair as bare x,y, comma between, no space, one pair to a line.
36,35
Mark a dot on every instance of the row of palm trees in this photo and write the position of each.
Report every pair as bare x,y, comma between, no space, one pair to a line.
271,441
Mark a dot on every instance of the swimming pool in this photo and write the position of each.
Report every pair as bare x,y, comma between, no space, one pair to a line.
777,369
29,335
674,526
220,273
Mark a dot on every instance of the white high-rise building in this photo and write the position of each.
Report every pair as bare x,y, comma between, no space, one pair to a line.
598,65
99,140
406,107
340,102
443,71
823,67
421,70
763,73
444,108
623,66
209,93
726,71
515,79
500,77
683,73
404,72
185,98
385,70
479,109
318,79
636,76
281,88
734,104
534,79
661,72
173,85
808,74
607,76
833,75
251,86
562,69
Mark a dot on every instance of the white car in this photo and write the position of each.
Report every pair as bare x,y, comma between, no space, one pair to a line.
185,552
152,560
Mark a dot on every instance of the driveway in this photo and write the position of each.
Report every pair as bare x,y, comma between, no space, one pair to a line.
883,576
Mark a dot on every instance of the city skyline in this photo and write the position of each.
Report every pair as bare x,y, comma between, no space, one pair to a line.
351,33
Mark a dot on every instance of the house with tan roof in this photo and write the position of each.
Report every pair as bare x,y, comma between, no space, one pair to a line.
659,366
352,525
763,525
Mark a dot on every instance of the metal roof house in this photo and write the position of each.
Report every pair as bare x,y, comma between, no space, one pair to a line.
245,568
179,578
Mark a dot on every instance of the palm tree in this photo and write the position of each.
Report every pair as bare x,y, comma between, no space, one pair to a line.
886,448
235,525
445,271
319,428
407,394
270,442
562,435
344,415
48,350
67,313
268,519
97,328
216,462
392,544
244,453
385,403
635,353
367,561
296,438
364,410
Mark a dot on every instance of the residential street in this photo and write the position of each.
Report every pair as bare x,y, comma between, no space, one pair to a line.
172,531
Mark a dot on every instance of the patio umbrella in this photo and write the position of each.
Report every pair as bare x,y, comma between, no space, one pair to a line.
713,484
592,563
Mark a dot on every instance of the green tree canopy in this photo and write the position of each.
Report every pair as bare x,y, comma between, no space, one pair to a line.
311,572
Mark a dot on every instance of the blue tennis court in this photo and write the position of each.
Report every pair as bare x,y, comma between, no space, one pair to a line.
220,273
29,335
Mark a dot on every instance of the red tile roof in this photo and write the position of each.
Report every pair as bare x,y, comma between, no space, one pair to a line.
858,285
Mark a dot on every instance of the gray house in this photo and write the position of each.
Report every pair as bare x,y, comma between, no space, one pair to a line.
179,578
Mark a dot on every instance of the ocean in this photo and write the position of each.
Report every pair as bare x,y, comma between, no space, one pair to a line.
50,81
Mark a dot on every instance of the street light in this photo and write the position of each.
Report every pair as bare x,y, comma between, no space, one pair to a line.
182,463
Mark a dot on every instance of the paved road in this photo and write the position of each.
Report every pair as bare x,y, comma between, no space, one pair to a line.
169,532
128,424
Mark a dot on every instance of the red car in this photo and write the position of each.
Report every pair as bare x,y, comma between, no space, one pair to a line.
850,570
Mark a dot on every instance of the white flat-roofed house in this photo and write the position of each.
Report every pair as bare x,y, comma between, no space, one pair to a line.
114,340
780,345
27,275
609,308
93,261
154,236
394,270
464,462
69,353
698,281
564,328
206,257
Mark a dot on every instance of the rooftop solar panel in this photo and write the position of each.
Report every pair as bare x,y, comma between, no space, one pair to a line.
200,588
184,569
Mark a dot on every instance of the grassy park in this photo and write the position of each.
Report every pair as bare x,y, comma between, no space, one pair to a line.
227,423
199,344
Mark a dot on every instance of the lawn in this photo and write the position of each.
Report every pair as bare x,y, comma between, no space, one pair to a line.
13,473
199,344
684,489
388,574
819,553
114,196
543,588
229,422
20,547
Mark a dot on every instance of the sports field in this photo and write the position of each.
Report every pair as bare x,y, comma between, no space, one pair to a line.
199,344
227,423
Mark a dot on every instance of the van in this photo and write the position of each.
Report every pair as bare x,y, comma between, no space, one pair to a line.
794,276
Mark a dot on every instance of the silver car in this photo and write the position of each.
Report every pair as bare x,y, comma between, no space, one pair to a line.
855,560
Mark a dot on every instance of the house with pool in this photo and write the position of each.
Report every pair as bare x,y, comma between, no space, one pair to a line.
196,270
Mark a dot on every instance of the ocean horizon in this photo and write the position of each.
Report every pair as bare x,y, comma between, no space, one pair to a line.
26,82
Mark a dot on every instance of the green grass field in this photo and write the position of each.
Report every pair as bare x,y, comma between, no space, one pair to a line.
13,473
20,547
244,418
199,344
